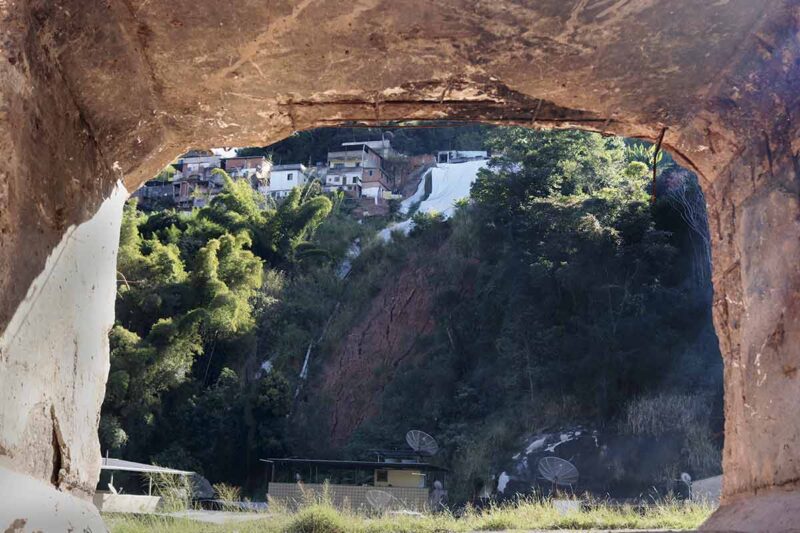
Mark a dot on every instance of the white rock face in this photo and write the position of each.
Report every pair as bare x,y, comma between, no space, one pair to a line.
28,504
502,481
53,369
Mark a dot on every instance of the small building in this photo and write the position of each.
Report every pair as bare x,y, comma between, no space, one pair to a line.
284,178
409,482
358,170
459,156
252,167
155,194
192,164
196,188
382,147
120,488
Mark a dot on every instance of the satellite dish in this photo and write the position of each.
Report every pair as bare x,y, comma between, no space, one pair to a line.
686,478
379,500
558,471
421,442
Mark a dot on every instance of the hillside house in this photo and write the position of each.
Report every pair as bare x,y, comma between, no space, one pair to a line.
382,147
194,164
254,168
358,170
284,178
155,194
194,183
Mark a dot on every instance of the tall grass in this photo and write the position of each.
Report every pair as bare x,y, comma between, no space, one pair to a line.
319,516
175,491
688,414
229,495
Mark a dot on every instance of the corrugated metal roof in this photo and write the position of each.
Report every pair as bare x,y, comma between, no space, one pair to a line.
411,465
131,466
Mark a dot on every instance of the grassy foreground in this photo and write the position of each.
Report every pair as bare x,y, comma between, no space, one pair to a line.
321,517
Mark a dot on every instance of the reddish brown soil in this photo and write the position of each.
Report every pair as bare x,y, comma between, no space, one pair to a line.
371,353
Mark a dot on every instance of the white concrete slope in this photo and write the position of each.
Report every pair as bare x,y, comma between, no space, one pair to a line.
450,182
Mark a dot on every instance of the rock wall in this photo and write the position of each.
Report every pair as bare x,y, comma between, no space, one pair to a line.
94,92
54,360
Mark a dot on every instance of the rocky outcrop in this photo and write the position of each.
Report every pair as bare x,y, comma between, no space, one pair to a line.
610,463
94,92
371,353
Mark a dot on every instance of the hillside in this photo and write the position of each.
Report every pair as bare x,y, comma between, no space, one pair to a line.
526,314
532,296
383,340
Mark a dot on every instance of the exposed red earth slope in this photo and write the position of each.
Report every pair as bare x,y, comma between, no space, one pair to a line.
370,354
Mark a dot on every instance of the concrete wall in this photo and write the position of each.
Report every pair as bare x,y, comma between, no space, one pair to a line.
352,497
107,502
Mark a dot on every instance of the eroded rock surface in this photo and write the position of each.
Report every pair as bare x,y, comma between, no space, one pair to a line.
91,92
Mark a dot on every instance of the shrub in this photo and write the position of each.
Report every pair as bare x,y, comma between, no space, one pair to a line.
230,496
175,491
317,518
677,413
663,413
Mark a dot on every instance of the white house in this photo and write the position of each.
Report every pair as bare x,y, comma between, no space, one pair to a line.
284,178
346,179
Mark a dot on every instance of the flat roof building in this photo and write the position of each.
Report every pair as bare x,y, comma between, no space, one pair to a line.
410,483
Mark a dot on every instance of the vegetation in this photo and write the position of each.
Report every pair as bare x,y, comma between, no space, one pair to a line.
562,296
185,387
526,514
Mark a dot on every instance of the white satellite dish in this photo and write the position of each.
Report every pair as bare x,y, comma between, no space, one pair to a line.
558,471
421,442
687,480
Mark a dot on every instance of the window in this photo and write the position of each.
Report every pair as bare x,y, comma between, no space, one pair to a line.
370,173
381,476
289,176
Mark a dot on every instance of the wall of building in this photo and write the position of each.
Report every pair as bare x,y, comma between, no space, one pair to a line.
279,180
402,478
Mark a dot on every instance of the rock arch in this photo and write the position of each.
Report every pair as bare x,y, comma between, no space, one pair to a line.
96,97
